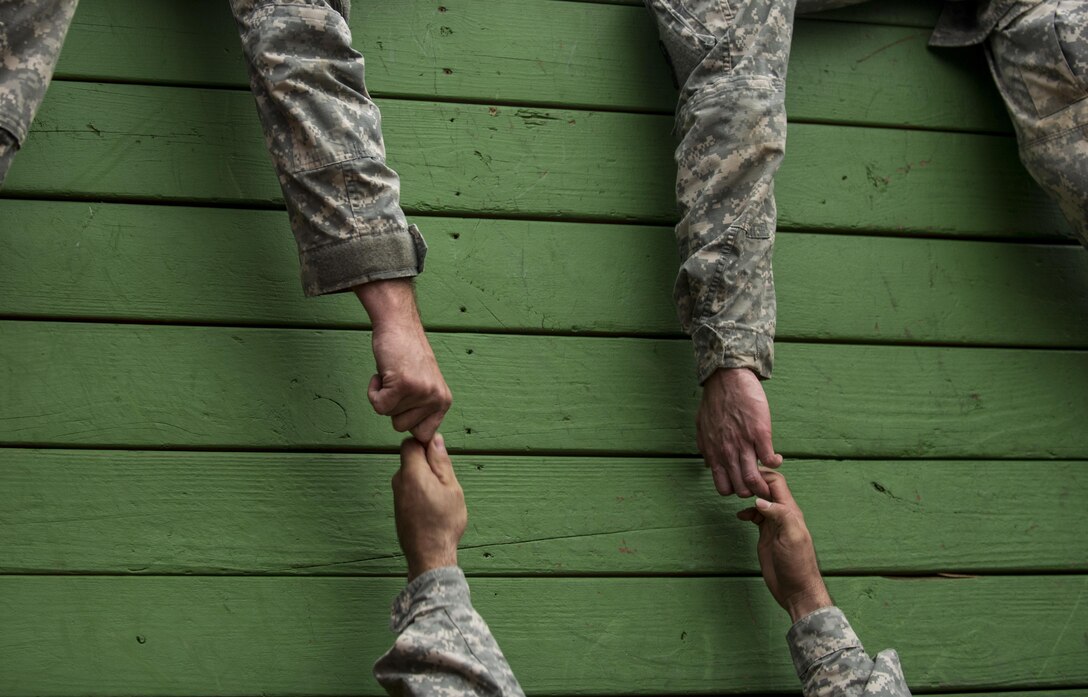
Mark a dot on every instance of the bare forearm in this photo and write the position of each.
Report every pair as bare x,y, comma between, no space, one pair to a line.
391,302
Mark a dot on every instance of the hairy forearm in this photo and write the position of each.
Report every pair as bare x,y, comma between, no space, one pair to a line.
389,302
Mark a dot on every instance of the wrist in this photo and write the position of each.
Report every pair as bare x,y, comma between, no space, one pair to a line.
729,379
418,567
389,302
804,603
727,374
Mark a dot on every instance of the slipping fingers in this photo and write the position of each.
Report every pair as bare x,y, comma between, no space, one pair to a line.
779,490
736,474
721,479
426,429
750,474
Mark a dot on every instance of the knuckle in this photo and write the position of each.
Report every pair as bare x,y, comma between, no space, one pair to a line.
796,535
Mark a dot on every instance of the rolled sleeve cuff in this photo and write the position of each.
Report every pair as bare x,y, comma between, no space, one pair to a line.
342,265
731,347
816,636
9,145
437,588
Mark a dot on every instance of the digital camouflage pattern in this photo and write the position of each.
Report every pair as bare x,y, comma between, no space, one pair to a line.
729,58
324,135
444,648
1038,55
322,129
831,661
31,35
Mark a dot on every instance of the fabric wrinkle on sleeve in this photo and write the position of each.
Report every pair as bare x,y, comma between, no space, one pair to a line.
31,37
444,647
730,63
831,661
324,135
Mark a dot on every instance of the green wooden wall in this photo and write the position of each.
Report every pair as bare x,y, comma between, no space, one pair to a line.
194,496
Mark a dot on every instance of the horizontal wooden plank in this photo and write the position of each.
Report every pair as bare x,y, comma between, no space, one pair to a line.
87,511
288,636
546,53
842,73
177,144
206,265
910,13
162,386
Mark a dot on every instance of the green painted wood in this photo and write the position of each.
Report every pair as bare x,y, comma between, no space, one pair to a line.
204,265
161,386
546,53
287,636
88,511
852,83
174,144
910,13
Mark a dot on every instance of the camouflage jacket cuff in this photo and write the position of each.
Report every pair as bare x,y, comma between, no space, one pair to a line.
437,588
342,265
816,636
731,347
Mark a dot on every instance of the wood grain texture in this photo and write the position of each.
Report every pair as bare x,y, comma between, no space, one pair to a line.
288,636
547,54
204,265
161,386
176,144
88,511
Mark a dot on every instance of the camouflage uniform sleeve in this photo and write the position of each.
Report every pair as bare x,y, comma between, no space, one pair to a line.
444,647
31,36
324,134
729,60
831,661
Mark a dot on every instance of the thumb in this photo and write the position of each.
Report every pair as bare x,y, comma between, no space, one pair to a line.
439,459
770,511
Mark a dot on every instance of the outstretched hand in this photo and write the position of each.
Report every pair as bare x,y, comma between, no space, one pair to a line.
733,430
787,556
429,506
408,386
